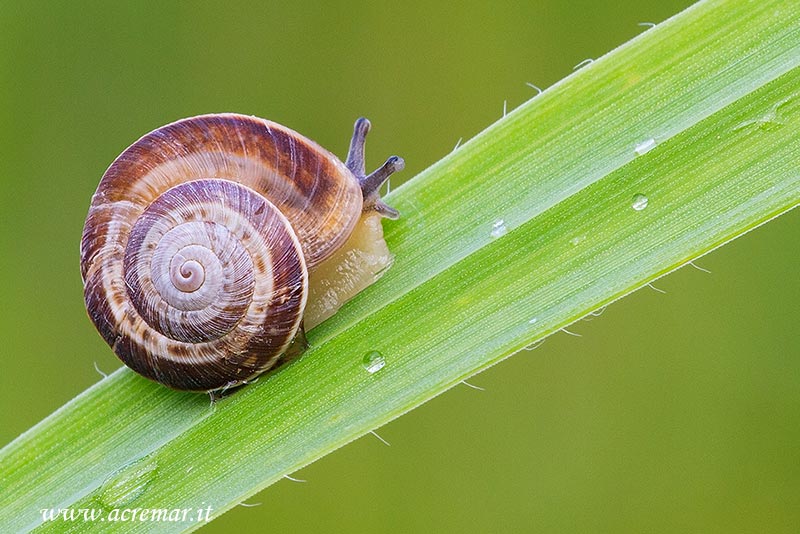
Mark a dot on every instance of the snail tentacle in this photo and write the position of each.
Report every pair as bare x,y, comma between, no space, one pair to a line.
355,156
370,184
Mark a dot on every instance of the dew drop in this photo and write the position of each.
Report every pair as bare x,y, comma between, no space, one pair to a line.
498,228
639,202
373,361
769,120
575,240
124,486
645,146
533,320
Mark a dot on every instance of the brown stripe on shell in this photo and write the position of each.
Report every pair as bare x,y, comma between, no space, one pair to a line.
315,191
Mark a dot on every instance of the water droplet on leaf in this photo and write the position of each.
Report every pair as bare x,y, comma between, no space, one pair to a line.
498,228
124,486
645,146
373,361
639,202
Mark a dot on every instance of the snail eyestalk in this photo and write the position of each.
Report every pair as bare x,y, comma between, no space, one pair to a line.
355,156
372,183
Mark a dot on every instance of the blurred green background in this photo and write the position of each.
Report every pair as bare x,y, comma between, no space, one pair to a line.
673,412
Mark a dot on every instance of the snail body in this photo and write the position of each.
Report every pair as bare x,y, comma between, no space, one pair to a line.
200,238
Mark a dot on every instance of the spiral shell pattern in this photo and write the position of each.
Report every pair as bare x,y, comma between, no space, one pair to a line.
196,247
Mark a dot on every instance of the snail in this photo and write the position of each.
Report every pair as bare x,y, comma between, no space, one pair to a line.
212,242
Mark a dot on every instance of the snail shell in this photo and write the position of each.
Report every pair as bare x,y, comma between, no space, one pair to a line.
197,248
